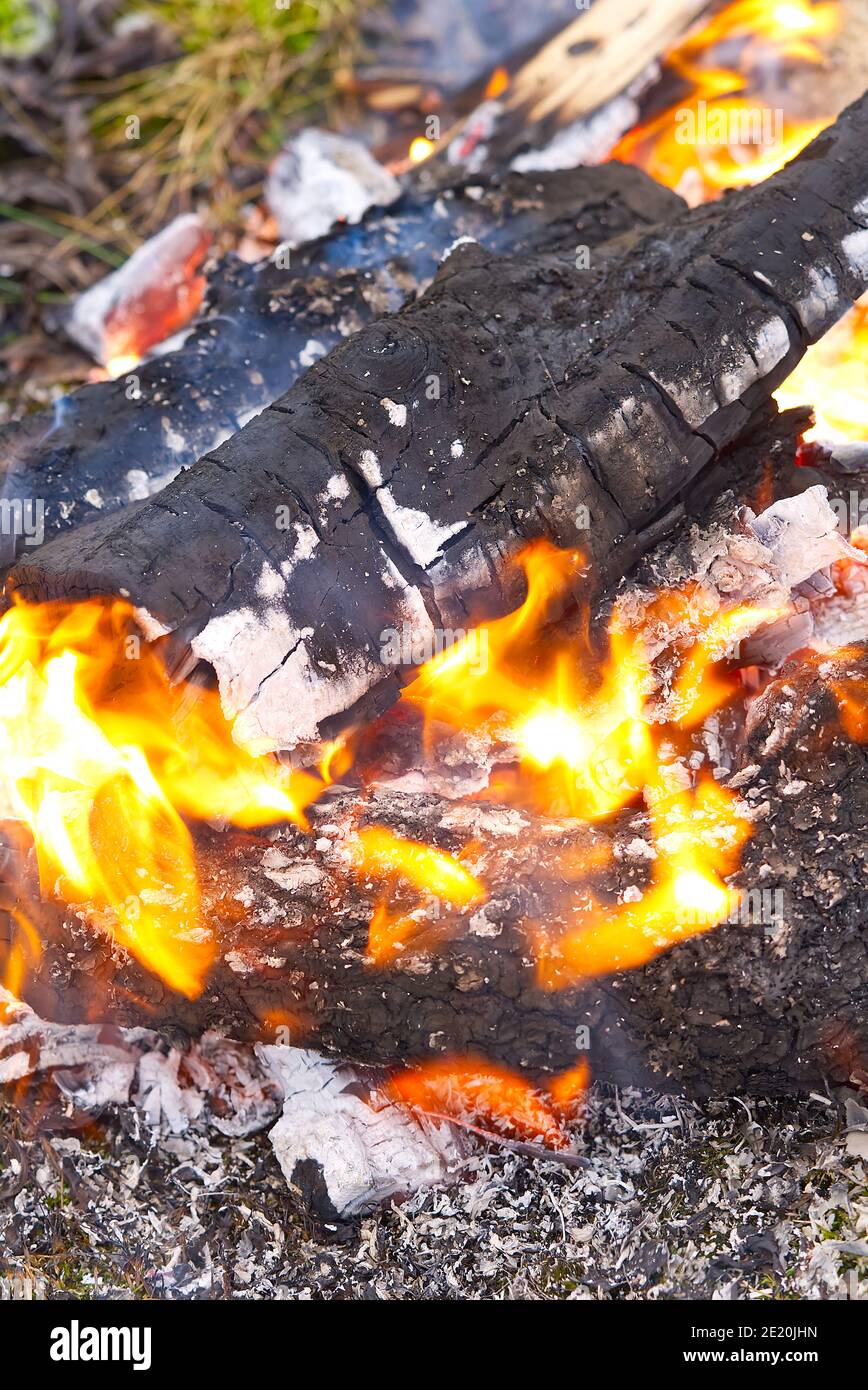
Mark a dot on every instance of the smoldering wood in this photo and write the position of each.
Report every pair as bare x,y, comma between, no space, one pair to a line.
575,404
774,1003
113,443
588,77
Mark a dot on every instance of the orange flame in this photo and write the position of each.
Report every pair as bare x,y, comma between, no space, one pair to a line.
585,741
722,134
697,838
101,758
832,377
382,854
587,745
851,692
568,1088
497,84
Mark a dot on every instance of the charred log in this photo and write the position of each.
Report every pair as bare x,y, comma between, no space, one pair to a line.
773,1003
517,398
116,442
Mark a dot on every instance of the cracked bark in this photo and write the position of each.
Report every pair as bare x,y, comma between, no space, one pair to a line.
255,339
611,412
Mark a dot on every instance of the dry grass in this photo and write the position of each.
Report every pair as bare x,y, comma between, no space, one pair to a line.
113,150
212,116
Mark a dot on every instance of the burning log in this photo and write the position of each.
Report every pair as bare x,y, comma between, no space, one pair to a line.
590,73
772,1001
518,398
115,443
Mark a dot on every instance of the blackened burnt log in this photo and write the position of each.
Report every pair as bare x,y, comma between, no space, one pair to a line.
113,443
773,1003
517,398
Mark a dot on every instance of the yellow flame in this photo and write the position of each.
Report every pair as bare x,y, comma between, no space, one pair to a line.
100,757
420,149
833,377
380,853
697,836
121,363
588,747
722,134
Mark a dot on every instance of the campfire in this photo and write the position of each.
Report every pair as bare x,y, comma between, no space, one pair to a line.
443,672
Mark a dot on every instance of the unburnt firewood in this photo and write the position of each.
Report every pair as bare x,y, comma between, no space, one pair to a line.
113,443
517,398
773,1002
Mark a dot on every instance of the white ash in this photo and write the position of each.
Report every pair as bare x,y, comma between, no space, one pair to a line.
367,1148
841,620
141,485
589,140
151,627
855,248
457,244
214,1082
312,351
586,141
416,532
778,561
802,535
397,413
726,1200
821,301
698,395
319,179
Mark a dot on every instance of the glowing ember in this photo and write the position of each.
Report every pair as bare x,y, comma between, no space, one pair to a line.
722,134
160,300
832,377
101,758
851,692
420,149
148,299
470,1090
